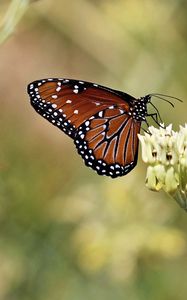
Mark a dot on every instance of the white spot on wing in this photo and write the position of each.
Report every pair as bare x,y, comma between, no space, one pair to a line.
87,123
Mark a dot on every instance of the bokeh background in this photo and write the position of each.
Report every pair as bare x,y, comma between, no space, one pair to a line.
65,232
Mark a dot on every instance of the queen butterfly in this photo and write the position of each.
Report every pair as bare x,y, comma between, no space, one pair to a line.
104,123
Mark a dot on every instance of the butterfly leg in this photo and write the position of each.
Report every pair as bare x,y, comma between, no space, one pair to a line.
157,120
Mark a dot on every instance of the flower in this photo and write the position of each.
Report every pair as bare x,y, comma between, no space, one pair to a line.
165,152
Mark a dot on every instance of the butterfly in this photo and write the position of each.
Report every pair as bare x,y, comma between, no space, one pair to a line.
104,123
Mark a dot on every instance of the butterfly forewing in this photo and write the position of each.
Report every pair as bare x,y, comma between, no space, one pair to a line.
96,117
68,103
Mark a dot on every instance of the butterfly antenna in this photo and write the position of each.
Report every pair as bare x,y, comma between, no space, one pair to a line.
156,95
161,96
168,96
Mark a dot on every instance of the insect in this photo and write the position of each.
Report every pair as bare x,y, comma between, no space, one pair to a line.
104,123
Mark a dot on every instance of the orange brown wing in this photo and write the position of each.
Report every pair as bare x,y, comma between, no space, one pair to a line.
108,142
96,117
68,103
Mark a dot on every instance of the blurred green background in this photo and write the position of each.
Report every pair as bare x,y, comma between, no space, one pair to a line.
65,232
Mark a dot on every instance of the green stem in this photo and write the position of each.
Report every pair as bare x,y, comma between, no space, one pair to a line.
180,197
14,14
181,194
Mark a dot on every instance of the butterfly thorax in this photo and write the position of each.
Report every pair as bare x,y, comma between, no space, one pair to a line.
138,109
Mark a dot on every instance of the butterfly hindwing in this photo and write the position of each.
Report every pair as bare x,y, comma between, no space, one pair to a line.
108,142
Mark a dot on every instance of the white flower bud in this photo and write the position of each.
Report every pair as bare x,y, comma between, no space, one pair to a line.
165,152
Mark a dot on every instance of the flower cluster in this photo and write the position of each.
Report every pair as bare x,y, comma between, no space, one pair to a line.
165,152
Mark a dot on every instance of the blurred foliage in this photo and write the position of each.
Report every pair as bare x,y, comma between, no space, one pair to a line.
65,232
14,13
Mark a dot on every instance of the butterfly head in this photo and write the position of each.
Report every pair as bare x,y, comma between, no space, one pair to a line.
146,99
